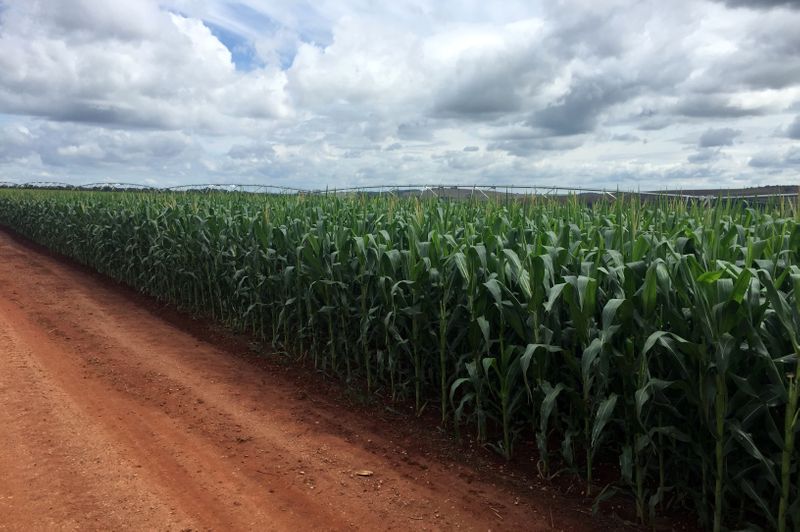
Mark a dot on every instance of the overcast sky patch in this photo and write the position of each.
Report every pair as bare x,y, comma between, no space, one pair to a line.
347,93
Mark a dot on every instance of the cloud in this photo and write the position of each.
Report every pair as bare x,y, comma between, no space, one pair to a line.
763,4
776,160
419,129
626,137
713,106
486,74
128,21
335,93
704,155
792,156
76,145
793,130
765,160
763,56
125,66
525,147
480,97
579,110
254,152
89,153
718,137
465,161
710,143
655,123
16,144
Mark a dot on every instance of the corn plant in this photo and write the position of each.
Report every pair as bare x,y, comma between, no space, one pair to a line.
660,337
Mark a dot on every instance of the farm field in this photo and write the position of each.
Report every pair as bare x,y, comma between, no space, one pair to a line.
120,415
411,265
646,349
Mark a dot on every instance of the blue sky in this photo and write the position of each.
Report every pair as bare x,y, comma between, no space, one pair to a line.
243,54
616,94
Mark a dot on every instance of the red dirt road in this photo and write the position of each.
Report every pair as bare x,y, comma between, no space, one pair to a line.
113,417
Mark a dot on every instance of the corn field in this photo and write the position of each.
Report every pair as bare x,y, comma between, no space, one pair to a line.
661,337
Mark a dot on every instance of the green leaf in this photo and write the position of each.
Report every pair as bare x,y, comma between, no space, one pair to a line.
456,385
726,316
587,294
710,277
650,291
750,491
483,323
526,358
555,295
602,417
548,403
615,310
494,288
520,274
741,286
589,356
626,464
461,264
749,445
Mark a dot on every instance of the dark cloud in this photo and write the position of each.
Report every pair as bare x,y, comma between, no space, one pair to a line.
764,160
483,97
762,4
108,116
531,146
579,110
655,123
486,82
776,160
704,155
421,129
471,148
712,106
69,112
625,137
765,71
793,130
792,156
718,137
759,65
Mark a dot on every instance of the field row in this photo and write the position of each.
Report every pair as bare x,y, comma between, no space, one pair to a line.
662,337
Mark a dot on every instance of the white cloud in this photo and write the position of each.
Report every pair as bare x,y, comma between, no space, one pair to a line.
348,92
132,66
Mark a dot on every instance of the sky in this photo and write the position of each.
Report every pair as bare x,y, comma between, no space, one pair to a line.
630,95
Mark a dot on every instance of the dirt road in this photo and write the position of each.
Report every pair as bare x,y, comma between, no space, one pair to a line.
115,417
